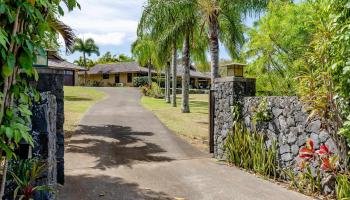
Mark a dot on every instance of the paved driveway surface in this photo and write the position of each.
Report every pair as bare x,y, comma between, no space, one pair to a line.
122,151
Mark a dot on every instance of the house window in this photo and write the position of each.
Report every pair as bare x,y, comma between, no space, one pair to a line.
129,77
105,76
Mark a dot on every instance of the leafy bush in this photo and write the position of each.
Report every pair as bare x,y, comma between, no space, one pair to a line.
25,174
153,91
143,80
140,81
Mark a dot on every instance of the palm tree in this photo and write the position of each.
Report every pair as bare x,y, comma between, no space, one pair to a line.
87,47
223,19
144,49
156,17
124,58
174,24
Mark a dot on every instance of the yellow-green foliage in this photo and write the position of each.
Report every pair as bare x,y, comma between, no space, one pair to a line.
153,91
248,150
343,187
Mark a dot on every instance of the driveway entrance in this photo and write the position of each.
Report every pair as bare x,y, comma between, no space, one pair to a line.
122,151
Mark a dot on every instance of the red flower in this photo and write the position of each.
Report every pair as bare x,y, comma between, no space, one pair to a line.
308,151
28,192
326,165
324,151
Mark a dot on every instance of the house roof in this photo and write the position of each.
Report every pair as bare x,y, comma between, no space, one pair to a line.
127,67
193,73
117,68
56,62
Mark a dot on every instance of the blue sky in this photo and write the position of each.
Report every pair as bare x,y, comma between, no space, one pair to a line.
111,23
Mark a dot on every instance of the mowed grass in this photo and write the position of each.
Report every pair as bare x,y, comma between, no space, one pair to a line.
77,100
192,126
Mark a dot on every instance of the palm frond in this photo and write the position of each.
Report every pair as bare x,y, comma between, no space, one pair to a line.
64,30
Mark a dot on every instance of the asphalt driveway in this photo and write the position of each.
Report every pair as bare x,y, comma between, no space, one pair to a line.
122,151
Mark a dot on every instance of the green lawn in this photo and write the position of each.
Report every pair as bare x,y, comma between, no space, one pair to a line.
77,100
193,126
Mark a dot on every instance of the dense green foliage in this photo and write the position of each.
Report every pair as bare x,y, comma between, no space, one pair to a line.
277,46
295,50
27,27
143,80
25,174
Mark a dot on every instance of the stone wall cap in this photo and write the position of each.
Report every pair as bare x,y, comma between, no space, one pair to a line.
234,79
49,71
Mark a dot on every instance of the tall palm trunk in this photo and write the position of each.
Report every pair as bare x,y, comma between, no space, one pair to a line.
167,95
174,76
149,74
85,73
214,47
185,108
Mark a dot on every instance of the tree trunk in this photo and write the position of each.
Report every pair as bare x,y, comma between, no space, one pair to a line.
174,76
167,97
85,74
149,74
185,107
214,47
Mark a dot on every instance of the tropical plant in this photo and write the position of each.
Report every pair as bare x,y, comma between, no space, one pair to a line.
24,27
343,186
87,47
223,21
172,24
248,150
156,18
89,63
124,58
107,58
277,44
25,174
145,51
323,160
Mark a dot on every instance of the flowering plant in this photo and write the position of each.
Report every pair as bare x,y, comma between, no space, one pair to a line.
329,161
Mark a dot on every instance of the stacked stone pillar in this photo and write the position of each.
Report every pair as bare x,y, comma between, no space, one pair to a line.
228,91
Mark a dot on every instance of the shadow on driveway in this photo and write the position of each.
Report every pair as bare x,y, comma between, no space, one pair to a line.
114,145
107,188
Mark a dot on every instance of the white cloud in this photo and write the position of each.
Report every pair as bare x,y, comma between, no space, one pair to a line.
108,22
114,38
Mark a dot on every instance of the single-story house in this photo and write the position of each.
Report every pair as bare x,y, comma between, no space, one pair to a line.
70,70
124,72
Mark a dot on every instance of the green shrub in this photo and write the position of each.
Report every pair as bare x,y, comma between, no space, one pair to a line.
140,81
143,80
153,91
26,174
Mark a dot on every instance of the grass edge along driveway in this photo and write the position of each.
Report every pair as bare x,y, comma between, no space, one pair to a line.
193,126
77,100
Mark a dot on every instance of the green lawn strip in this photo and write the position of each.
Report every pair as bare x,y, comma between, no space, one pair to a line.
193,126
77,100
